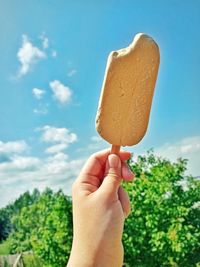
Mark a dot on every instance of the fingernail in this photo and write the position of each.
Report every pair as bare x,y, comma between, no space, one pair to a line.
130,171
114,161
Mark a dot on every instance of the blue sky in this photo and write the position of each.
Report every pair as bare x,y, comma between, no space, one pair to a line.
53,56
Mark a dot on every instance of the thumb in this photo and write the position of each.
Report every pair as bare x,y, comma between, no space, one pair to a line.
112,178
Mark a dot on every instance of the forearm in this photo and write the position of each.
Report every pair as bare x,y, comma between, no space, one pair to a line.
99,208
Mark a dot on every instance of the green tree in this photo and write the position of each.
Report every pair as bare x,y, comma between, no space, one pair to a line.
45,227
164,226
162,230
13,209
5,224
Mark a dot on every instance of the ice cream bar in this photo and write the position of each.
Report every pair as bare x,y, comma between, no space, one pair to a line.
127,92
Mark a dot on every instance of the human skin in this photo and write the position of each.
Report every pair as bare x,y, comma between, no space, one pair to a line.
100,206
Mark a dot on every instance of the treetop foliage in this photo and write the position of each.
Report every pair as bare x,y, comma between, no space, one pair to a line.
162,230
164,226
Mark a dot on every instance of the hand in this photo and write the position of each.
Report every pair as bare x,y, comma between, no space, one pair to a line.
100,206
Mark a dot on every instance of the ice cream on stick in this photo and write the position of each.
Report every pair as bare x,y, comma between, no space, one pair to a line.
127,92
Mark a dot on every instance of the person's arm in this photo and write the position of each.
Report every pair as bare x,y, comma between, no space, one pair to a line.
100,206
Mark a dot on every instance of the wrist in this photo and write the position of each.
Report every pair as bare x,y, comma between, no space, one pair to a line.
80,258
83,256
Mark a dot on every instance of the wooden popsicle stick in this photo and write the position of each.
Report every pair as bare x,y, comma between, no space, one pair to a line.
115,149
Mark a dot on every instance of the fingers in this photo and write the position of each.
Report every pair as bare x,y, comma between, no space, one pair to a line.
95,165
93,172
125,201
112,179
127,174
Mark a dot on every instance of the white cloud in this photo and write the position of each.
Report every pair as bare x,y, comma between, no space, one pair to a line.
28,55
45,41
61,92
38,93
71,72
188,148
59,137
13,147
19,163
52,134
56,148
25,163
58,170
40,111
57,164
58,157
23,173
54,53
20,172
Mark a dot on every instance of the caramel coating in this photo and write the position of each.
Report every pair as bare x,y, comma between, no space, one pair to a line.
126,96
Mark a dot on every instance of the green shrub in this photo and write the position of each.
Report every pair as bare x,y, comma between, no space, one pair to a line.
164,227
30,260
5,247
45,227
